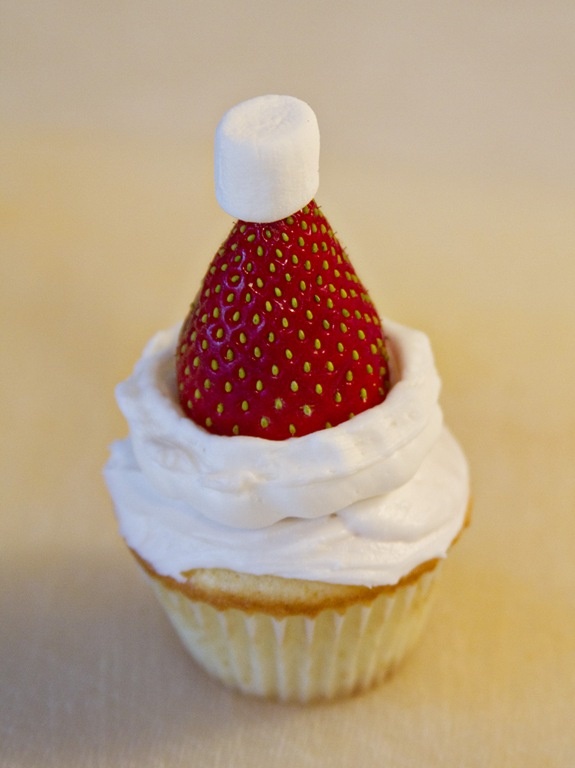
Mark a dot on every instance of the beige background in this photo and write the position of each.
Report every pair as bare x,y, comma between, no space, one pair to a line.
448,167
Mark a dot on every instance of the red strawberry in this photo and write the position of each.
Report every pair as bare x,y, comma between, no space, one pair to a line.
282,339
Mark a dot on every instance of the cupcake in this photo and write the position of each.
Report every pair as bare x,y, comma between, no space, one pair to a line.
288,486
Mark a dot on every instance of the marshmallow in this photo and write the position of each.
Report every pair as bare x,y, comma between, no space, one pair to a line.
267,158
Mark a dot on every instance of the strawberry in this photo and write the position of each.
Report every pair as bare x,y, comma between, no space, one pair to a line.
282,338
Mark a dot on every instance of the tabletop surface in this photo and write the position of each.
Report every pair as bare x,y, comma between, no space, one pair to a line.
448,166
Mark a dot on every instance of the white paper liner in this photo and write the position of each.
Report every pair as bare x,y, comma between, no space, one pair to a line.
298,658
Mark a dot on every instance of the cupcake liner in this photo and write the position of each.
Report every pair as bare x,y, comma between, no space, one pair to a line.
298,658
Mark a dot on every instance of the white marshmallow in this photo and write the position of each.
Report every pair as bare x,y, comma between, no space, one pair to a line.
267,158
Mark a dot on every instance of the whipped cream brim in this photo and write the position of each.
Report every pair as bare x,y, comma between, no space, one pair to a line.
247,482
373,542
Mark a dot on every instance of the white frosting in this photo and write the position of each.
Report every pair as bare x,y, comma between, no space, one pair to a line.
249,482
267,158
362,503
374,542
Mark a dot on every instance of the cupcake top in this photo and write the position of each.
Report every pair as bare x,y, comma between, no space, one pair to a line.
297,435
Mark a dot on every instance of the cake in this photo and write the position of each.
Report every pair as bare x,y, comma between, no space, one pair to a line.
288,486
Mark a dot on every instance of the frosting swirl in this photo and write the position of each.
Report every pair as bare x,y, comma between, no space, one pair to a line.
247,482
362,503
